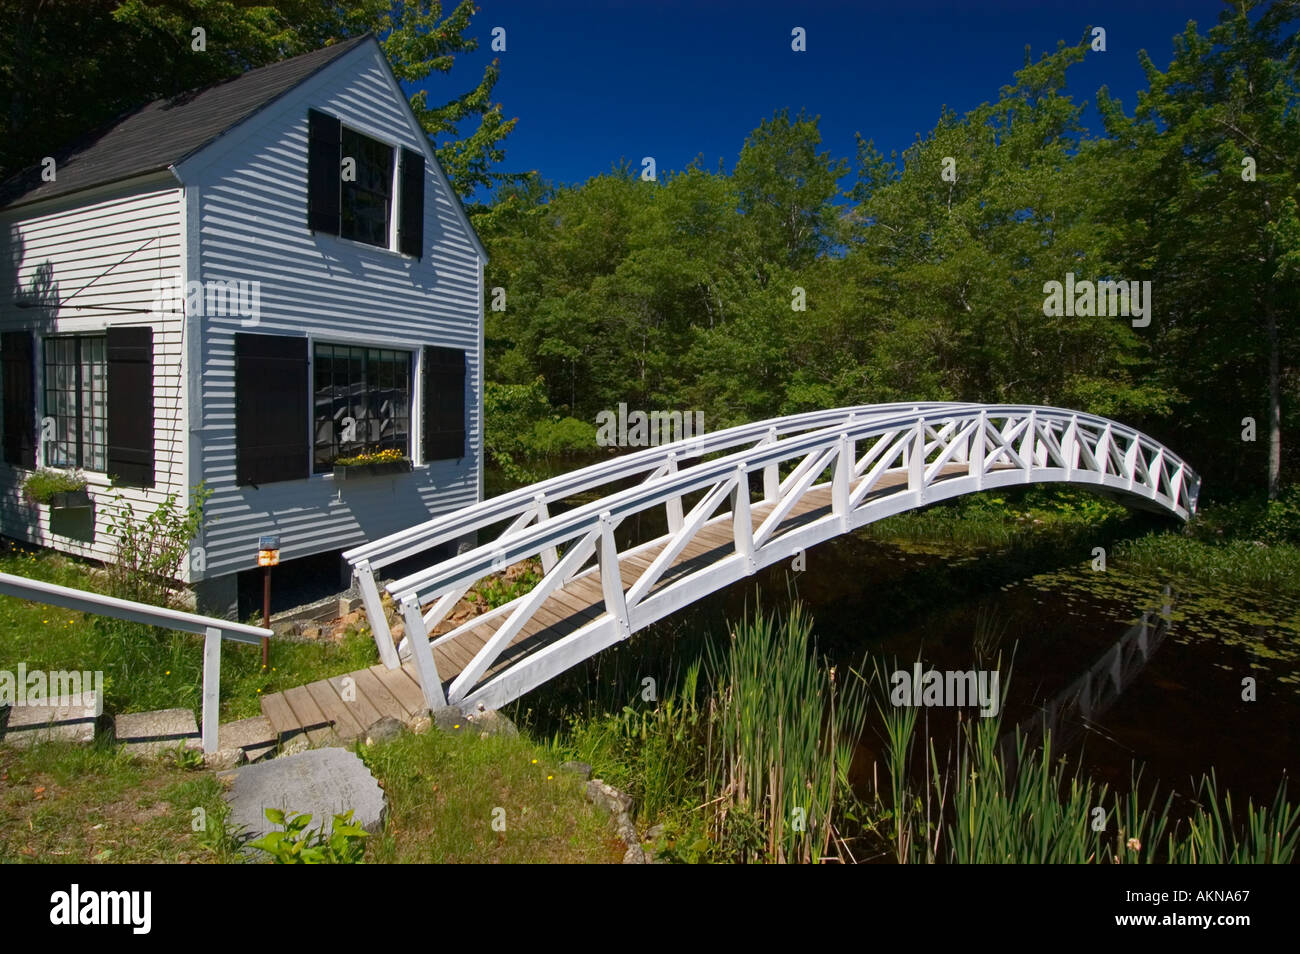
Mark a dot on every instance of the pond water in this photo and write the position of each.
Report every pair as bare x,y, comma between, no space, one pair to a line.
1136,672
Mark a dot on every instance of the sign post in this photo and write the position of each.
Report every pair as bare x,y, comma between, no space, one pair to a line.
268,555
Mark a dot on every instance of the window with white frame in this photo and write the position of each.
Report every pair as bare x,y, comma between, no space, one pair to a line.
362,401
76,372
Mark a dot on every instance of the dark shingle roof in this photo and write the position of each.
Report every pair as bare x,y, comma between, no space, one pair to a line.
167,130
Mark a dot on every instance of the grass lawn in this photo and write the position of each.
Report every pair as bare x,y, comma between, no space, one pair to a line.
61,802
445,790
89,803
146,668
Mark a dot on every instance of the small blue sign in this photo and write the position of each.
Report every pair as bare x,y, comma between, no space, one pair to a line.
268,542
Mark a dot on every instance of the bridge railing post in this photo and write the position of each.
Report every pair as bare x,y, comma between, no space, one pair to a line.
374,605
916,460
771,474
611,577
417,637
549,556
845,462
673,504
1029,446
1070,446
742,523
978,452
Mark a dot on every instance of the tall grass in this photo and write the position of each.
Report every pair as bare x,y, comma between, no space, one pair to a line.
782,734
747,756
993,803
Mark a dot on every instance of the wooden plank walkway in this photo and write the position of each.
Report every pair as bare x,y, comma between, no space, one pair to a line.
319,708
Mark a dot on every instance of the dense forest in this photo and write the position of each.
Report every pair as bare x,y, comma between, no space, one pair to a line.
797,279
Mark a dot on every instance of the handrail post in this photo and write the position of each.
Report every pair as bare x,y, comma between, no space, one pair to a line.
417,637
549,556
742,524
844,462
611,579
1030,442
211,688
916,462
375,614
771,474
674,504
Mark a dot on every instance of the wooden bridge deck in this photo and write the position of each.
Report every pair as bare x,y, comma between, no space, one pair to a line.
319,709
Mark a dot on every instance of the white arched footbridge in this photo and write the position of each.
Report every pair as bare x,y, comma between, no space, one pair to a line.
732,502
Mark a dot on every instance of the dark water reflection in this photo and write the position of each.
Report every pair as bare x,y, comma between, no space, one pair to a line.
1130,671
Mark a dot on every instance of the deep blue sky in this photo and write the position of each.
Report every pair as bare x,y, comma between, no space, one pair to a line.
592,82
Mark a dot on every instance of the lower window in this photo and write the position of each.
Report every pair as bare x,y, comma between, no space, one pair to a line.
362,402
76,401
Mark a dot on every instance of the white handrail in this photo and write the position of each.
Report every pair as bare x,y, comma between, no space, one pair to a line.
882,461
573,524
528,503
449,526
213,630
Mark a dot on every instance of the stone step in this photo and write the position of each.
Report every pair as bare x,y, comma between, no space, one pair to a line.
66,718
158,732
255,738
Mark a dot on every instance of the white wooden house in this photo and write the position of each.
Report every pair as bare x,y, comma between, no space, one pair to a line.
237,287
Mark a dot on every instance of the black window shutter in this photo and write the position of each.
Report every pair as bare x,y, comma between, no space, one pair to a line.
17,352
271,425
324,177
130,405
410,225
444,403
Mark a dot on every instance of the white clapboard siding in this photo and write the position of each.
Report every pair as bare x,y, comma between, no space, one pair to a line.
247,197
86,250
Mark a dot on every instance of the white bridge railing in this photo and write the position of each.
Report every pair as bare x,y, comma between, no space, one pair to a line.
213,631
866,462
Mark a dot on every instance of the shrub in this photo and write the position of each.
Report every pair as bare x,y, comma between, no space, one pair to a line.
300,845
152,550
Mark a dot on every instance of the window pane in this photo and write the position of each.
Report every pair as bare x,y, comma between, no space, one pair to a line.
369,386
75,398
367,201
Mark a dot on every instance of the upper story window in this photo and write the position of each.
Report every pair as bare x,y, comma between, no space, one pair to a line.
350,187
367,183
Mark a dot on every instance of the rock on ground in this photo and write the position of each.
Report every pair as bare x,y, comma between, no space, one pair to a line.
321,782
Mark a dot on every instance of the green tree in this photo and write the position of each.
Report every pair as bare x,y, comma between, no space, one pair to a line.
1211,185
119,55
